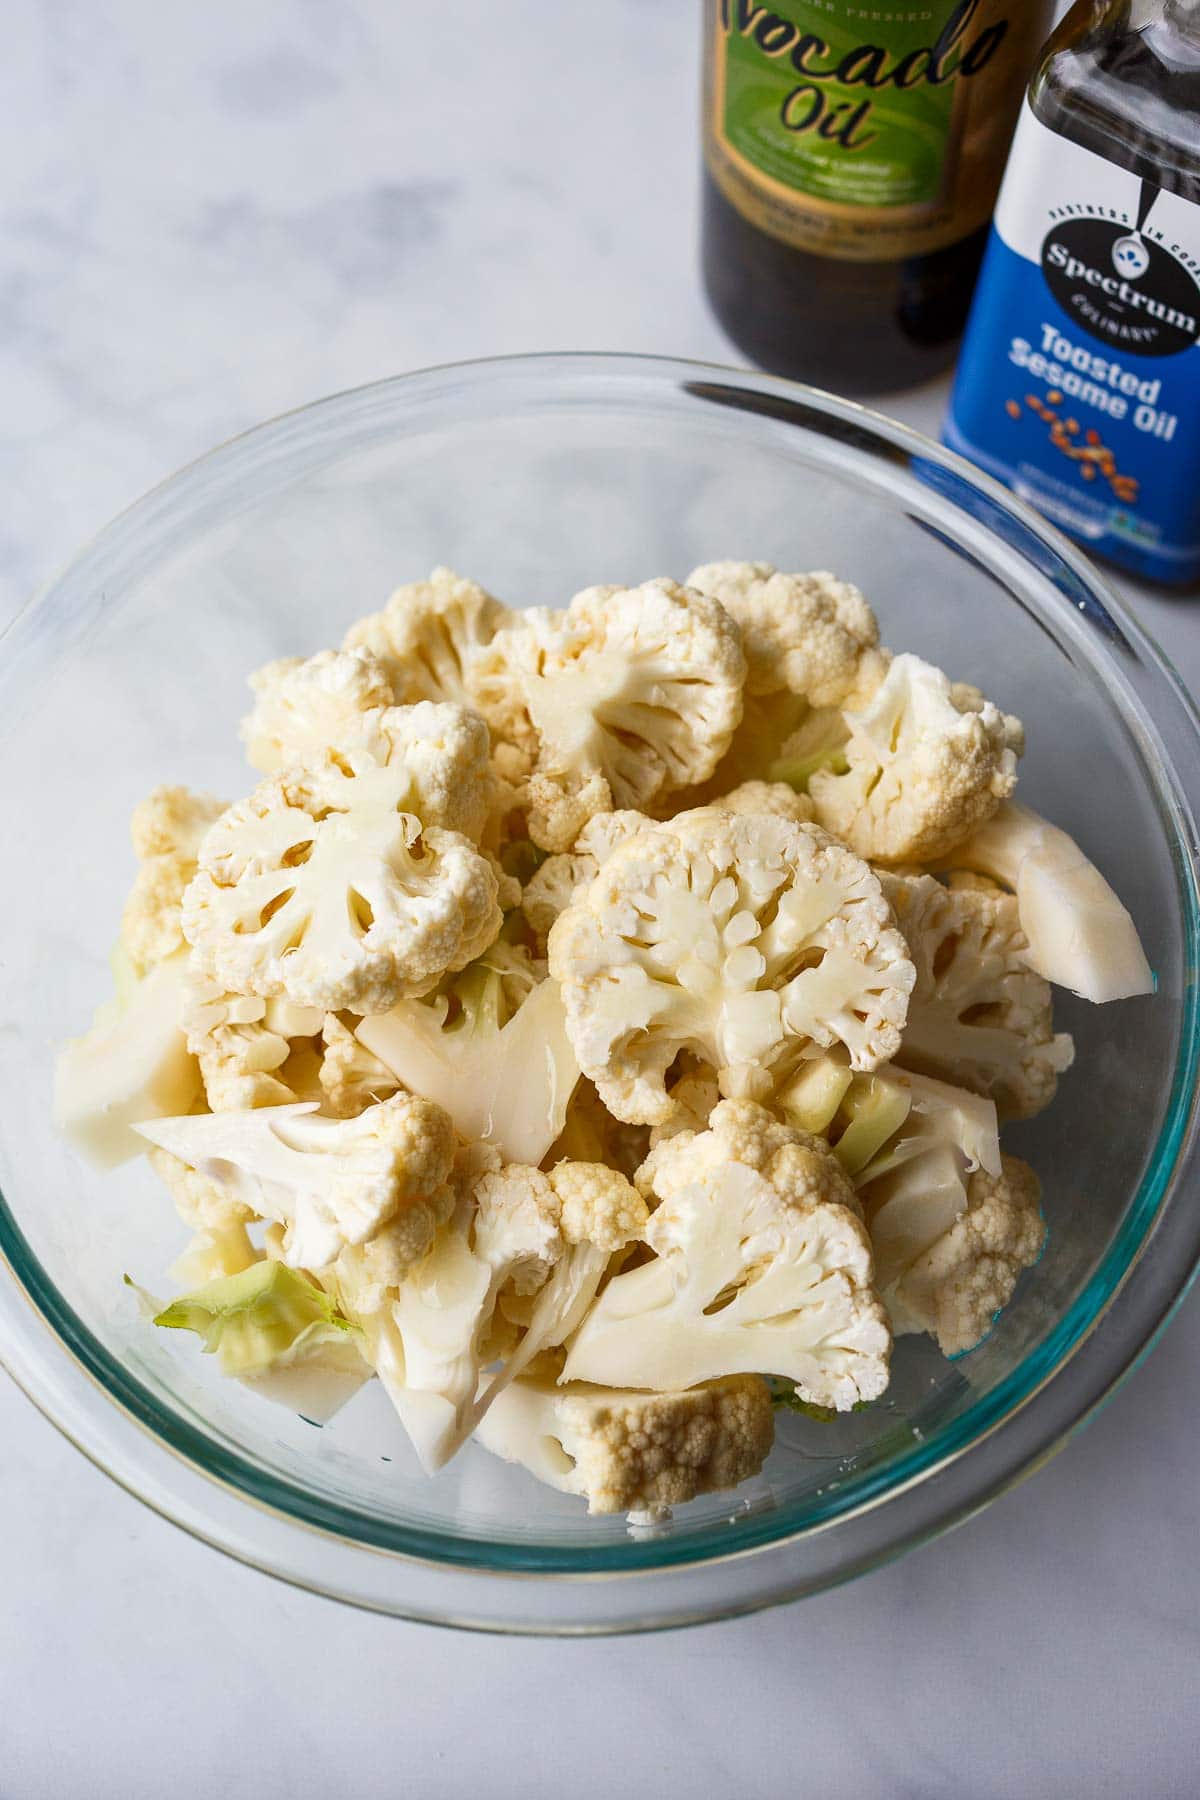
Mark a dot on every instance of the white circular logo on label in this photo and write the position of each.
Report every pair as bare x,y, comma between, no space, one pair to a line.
1130,257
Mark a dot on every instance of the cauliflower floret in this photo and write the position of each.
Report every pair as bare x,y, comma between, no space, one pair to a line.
167,828
350,1076
925,764
628,694
339,886
806,633
202,1203
1079,934
625,1451
172,821
746,941
913,1180
757,797
491,1046
305,706
957,1288
552,887
760,1266
554,882
242,1043
978,1016
427,634
330,1182
517,1233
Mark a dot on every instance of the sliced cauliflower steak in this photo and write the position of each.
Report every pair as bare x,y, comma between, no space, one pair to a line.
629,694
761,1266
978,1015
428,633
349,885
748,941
329,1182
625,1451
926,762
806,633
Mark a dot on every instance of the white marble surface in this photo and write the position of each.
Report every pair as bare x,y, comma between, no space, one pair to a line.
207,215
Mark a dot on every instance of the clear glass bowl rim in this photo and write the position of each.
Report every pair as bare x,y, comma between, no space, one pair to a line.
1172,1156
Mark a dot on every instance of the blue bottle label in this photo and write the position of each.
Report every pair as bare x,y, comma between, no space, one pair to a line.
1079,382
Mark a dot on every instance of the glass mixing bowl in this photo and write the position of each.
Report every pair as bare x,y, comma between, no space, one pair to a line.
539,476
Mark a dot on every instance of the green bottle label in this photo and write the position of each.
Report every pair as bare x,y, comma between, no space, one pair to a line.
846,127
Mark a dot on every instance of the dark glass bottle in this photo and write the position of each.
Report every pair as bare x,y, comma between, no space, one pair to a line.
852,157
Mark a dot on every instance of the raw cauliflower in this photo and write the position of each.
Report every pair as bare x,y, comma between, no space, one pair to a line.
978,1016
167,829
776,797
748,941
554,882
629,694
428,633
304,707
760,1266
956,1289
926,762
329,1182
350,885
350,1077
634,1452
805,633
242,1044
489,1044
516,1232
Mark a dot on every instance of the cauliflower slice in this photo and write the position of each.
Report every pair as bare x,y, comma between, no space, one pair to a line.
517,1232
133,1064
925,764
957,1287
428,633
627,1452
521,1241
978,1015
760,1266
242,1044
750,942
806,633
599,1215
329,1182
491,1046
167,828
351,1078
340,886
304,707
1079,934
627,695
